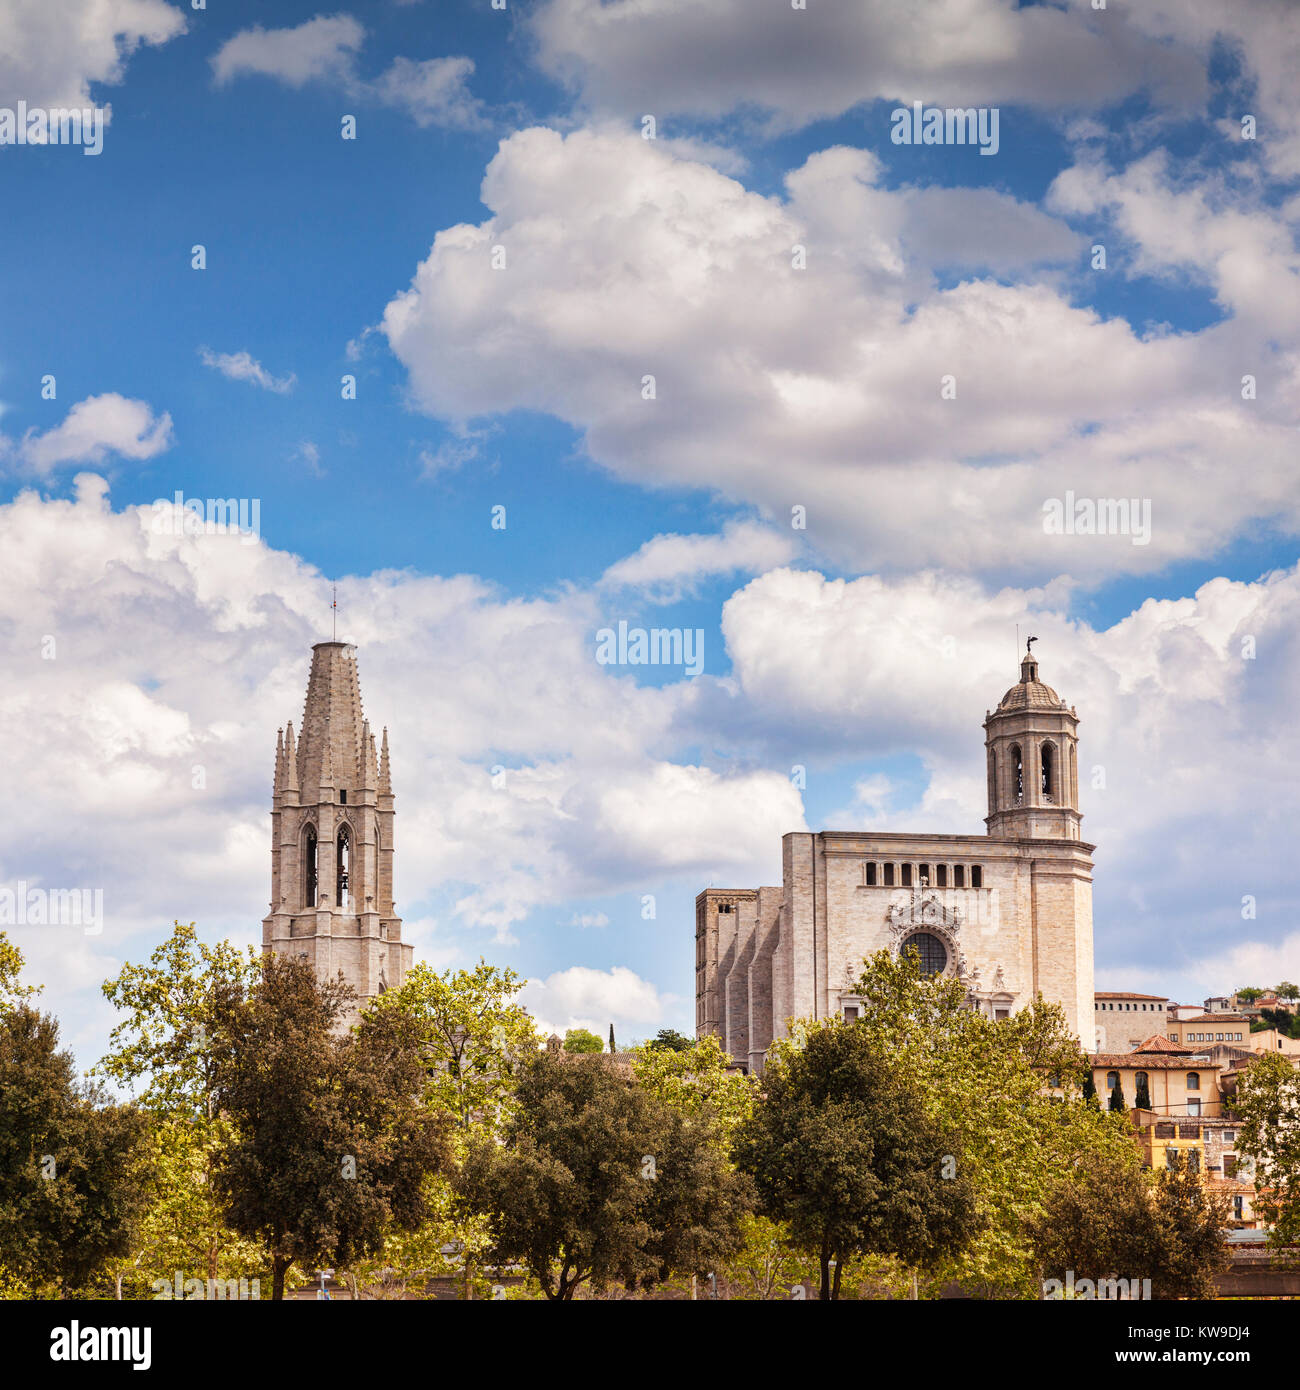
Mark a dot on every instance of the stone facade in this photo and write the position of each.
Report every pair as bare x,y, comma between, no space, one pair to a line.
332,823
1009,913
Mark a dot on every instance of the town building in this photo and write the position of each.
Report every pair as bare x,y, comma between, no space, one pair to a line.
1124,1018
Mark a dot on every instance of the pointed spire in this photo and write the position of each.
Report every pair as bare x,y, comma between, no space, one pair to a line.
367,768
279,762
385,780
290,783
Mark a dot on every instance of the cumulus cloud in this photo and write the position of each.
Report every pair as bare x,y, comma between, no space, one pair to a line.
52,55
242,366
92,430
798,66
671,566
932,423
434,92
584,998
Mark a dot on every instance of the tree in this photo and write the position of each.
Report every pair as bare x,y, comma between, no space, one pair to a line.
1142,1093
1010,1094
671,1040
842,1150
1268,1105
332,1142
1286,990
161,1050
582,1040
72,1164
473,1033
598,1181
1116,1103
1105,1220
11,965
1249,993
612,1048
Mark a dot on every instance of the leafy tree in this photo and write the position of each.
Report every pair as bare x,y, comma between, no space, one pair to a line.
1268,1105
991,1086
1249,993
612,1048
696,1079
332,1142
72,1164
473,1033
842,1150
597,1180
1116,1104
1105,1220
161,1050
1286,990
580,1040
671,1040
12,992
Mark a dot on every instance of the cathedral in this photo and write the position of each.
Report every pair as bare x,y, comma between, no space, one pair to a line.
332,838
1008,913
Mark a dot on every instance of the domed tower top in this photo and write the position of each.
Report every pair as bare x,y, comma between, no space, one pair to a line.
1033,770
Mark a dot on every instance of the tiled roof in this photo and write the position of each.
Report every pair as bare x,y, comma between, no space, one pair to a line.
1159,1044
1214,1018
1126,994
1030,695
1157,1061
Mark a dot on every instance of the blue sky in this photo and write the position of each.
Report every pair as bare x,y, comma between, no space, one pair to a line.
670,257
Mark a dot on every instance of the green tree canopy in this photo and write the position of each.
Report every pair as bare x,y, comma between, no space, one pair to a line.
582,1040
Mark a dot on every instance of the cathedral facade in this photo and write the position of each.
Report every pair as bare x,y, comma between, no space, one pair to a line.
1008,913
332,822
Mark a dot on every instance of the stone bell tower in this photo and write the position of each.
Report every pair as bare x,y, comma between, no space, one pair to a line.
332,838
1033,762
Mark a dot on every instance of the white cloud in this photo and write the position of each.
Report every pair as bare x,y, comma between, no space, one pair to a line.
434,92
242,366
92,430
627,262
670,566
324,47
52,55
801,65
584,998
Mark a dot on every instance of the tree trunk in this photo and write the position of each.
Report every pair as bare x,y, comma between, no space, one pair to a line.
212,1261
279,1265
839,1265
824,1258
117,1284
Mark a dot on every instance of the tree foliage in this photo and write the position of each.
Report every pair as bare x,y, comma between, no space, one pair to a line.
1268,1105
332,1143
582,1040
597,1180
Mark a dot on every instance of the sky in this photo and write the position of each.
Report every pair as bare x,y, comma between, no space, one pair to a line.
517,323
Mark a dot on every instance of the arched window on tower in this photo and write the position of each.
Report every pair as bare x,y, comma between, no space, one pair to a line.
309,868
344,865
1049,774
1017,775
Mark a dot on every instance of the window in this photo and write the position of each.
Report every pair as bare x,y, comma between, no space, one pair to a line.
871,876
959,875
850,1012
923,873
1193,1081
889,875
1229,1136
976,876
941,875
309,869
1112,1080
1193,1105
1218,1037
1001,1013
1238,1208
1193,1160
343,798
1229,1165
932,951
907,875
1049,773
1017,775
344,865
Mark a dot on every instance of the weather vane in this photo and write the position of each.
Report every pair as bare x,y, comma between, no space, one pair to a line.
1029,646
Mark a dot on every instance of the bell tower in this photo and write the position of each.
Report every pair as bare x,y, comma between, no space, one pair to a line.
332,838
1033,767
